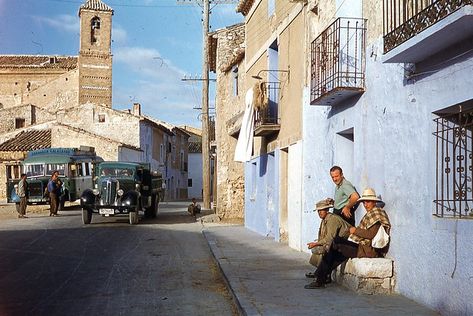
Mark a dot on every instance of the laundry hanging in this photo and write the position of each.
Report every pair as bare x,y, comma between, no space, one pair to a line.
244,145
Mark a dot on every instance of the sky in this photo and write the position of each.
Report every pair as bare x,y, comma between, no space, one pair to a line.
155,43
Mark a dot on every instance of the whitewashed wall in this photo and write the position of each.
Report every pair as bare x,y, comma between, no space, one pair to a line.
195,173
394,152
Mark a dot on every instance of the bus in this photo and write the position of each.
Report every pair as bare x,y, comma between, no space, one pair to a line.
75,167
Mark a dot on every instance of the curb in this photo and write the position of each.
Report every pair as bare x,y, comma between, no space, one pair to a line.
240,308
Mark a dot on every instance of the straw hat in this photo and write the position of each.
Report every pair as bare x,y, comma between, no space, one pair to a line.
323,205
369,195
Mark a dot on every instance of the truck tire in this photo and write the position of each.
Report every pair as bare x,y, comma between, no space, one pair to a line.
152,211
86,216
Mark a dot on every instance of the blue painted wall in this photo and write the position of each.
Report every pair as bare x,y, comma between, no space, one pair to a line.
262,195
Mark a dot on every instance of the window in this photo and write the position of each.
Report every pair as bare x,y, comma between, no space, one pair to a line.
235,80
94,30
161,153
181,160
454,161
189,183
101,118
20,122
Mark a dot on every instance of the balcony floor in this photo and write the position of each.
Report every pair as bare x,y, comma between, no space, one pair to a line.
267,129
337,95
443,34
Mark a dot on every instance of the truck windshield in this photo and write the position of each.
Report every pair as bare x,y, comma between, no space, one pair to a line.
117,172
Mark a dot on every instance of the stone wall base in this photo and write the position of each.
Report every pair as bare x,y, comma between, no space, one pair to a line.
367,275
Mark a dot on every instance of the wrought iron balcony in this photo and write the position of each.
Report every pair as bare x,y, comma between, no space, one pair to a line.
338,62
266,119
416,29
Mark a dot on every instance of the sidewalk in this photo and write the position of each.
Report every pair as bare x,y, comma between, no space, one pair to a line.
267,278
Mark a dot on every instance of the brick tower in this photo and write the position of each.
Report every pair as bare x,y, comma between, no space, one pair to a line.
95,55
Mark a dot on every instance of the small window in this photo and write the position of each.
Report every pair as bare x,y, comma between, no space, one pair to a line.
20,122
101,118
189,183
235,80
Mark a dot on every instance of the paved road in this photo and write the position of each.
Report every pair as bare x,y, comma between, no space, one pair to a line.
57,266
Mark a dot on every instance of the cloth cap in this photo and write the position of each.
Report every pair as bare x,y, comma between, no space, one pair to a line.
322,205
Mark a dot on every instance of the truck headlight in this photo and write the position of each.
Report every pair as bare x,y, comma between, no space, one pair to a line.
137,186
120,192
95,191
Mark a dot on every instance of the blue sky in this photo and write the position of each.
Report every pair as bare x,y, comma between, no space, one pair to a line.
155,44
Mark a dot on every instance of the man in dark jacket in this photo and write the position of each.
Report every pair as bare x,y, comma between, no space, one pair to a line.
23,194
54,189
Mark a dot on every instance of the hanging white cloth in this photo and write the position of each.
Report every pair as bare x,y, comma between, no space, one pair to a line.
244,145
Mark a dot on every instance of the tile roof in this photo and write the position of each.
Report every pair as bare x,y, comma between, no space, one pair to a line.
38,61
28,140
96,5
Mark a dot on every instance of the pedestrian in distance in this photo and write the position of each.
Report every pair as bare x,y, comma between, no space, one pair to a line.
23,194
331,226
54,189
362,245
194,207
345,197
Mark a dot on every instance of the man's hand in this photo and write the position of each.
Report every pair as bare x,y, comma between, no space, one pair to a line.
346,212
352,230
311,245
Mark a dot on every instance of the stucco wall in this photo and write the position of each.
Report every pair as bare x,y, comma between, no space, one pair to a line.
394,152
30,113
195,173
262,195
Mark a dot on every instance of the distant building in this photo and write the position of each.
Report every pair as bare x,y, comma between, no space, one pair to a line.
66,101
194,181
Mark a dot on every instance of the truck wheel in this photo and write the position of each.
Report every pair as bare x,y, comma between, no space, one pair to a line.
86,216
152,211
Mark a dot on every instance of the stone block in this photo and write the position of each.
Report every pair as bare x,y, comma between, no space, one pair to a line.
370,267
367,275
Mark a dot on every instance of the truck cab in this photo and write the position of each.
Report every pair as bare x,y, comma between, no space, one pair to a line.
122,188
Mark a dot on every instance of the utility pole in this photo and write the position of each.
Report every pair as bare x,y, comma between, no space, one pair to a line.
205,109
205,4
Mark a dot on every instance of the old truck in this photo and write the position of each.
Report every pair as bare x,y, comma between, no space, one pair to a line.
122,188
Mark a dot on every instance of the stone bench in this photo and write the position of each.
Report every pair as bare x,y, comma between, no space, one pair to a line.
367,275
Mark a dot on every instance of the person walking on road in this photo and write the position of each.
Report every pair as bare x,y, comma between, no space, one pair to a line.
23,194
345,198
54,189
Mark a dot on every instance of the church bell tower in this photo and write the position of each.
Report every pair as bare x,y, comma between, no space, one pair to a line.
95,54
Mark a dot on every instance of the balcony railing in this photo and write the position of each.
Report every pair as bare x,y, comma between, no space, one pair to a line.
267,119
403,19
338,62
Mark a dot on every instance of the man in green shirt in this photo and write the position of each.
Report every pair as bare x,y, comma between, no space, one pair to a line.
331,226
346,197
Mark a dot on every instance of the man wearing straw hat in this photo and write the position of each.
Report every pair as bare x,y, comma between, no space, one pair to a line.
331,226
345,198
362,247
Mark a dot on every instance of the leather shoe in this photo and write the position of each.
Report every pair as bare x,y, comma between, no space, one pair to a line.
310,275
314,285
328,279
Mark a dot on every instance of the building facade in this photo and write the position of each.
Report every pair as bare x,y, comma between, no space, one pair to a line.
227,61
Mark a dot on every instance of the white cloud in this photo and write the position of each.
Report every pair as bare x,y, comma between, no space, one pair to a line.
156,83
63,22
119,35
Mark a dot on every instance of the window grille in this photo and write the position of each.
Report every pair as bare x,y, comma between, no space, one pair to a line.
454,161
